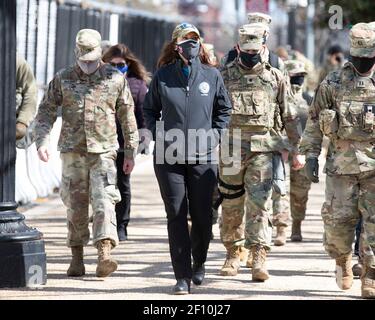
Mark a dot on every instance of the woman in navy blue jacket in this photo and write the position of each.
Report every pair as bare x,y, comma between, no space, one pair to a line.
186,108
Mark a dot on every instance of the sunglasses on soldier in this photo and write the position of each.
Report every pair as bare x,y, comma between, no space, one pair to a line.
118,65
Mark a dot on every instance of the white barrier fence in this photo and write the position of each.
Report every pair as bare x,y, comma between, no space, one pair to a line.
34,178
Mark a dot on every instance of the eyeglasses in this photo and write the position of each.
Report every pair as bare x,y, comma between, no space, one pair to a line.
118,65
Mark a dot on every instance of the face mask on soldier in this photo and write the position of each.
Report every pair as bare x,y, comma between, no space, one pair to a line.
88,67
249,60
297,80
361,64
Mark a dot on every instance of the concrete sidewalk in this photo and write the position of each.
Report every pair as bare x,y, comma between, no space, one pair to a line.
298,270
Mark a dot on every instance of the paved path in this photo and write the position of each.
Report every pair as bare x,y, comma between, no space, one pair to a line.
298,271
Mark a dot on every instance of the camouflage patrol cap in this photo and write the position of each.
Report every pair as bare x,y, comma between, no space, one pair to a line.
259,17
183,29
88,45
362,40
295,67
252,36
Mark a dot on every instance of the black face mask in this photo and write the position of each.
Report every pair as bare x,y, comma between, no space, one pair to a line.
189,49
298,80
362,65
249,60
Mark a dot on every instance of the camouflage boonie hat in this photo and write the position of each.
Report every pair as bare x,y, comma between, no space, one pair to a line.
88,45
362,40
259,17
183,29
295,67
252,36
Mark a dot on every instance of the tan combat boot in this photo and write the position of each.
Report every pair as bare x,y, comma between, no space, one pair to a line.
249,262
280,239
243,253
232,262
368,280
344,274
296,235
106,265
259,271
76,268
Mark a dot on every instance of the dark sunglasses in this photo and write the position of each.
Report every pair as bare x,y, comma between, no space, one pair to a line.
118,65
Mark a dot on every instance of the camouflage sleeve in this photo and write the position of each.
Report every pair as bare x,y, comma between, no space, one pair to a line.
47,112
26,84
313,136
289,117
126,116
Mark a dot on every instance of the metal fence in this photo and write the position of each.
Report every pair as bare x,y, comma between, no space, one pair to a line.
70,19
145,37
7,100
46,31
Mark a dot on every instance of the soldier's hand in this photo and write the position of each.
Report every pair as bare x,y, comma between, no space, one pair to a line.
298,162
128,166
312,169
21,130
43,154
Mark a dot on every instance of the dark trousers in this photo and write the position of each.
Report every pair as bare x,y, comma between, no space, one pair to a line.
123,184
358,230
187,188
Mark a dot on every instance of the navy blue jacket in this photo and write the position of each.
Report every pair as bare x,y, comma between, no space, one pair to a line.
198,102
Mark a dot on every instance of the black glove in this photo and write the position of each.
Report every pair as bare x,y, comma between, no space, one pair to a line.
312,169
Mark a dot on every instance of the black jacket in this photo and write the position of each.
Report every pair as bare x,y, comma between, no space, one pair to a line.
200,102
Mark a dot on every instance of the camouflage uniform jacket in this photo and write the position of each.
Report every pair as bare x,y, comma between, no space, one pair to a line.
89,106
260,107
26,92
298,106
343,109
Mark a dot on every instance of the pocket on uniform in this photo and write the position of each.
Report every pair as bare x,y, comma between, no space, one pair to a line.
355,113
259,100
111,177
328,122
111,188
64,189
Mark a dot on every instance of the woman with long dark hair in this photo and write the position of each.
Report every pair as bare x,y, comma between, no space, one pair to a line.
187,95
121,57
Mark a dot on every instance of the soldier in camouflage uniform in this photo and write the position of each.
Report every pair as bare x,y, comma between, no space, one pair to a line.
91,94
343,110
258,94
280,202
299,183
26,97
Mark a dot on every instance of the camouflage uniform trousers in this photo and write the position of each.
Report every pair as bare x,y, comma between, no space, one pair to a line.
280,209
90,178
347,198
256,175
299,194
